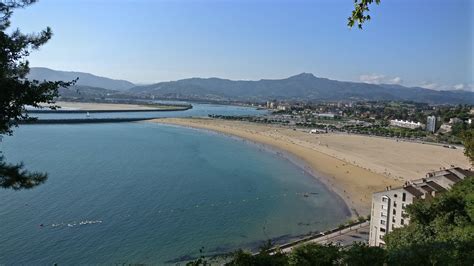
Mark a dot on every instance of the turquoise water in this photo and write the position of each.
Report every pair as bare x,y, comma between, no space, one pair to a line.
150,193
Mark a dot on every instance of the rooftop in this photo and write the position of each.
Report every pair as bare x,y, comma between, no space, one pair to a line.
427,185
412,190
435,186
452,177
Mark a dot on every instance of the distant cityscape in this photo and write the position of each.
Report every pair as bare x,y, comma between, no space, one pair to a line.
407,120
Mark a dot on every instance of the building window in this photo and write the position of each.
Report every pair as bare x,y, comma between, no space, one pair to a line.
393,220
395,195
382,222
394,204
382,229
403,205
384,199
402,222
404,196
394,211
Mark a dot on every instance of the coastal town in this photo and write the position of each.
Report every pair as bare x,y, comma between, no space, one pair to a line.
372,154
328,132
404,120
236,133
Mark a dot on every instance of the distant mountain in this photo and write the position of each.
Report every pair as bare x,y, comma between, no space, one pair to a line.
86,92
302,87
85,79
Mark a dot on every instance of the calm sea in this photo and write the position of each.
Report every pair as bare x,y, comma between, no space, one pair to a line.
149,193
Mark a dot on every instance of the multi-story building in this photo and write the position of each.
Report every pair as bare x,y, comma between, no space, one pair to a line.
431,124
444,128
455,120
284,107
388,207
325,115
405,124
271,105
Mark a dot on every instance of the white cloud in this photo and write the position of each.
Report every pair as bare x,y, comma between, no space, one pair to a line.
459,86
430,85
395,80
464,86
437,86
383,79
379,79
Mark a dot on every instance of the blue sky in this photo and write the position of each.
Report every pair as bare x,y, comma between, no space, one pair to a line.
408,42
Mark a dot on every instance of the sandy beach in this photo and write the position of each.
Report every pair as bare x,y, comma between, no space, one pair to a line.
352,166
103,106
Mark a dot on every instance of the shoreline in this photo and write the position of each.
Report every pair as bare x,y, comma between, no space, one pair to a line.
285,155
352,184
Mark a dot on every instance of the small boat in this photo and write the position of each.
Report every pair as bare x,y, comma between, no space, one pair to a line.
88,114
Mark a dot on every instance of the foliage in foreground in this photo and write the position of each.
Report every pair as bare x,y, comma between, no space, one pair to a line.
359,15
16,91
15,177
441,232
309,254
468,141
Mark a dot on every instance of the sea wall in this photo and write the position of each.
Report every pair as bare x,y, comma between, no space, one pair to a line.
81,120
49,111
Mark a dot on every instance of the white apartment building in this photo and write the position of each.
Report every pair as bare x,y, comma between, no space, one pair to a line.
284,107
431,124
388,207
405,124
324,115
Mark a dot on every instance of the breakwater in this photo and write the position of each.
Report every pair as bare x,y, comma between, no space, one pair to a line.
172,109
81,120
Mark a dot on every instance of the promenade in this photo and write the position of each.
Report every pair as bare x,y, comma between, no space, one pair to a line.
345,237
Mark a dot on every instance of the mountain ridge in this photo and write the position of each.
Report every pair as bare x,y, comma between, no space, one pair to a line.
301,87
85,79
